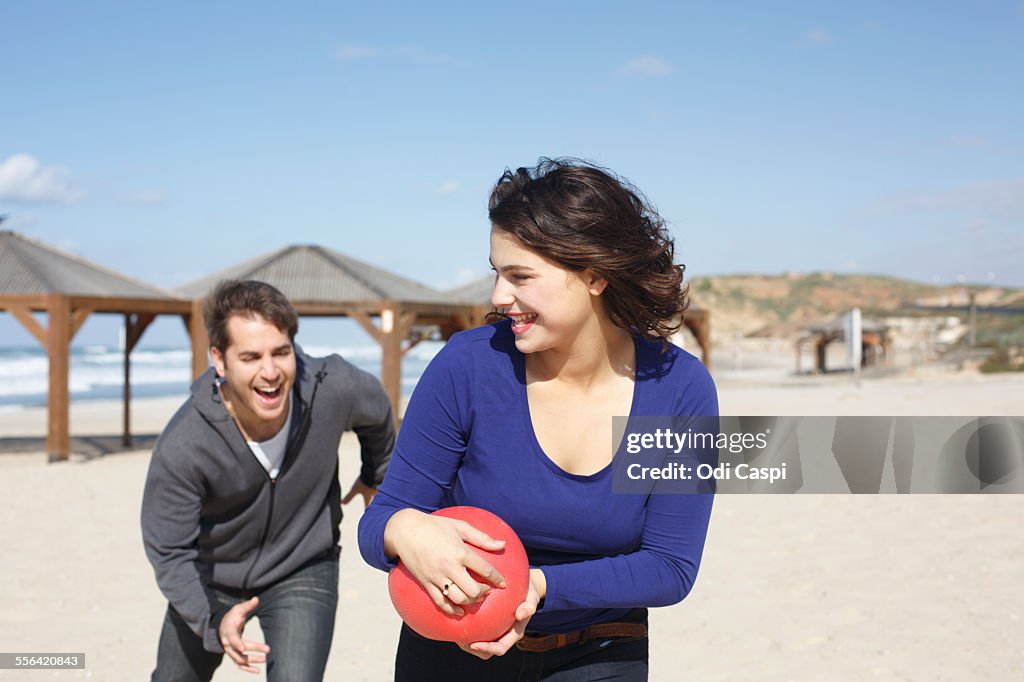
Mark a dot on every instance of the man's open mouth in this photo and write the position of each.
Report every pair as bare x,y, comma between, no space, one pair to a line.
268,394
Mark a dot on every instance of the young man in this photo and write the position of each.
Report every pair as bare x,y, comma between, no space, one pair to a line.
242,504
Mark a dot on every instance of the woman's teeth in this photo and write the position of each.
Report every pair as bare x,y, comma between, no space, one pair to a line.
522,320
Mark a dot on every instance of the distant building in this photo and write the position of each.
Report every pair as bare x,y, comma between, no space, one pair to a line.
876,342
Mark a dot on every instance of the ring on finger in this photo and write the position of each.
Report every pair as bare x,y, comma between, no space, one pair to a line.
447,586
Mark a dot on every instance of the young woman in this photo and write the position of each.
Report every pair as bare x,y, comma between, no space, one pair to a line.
516,417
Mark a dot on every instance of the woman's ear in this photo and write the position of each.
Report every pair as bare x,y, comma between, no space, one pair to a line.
595,283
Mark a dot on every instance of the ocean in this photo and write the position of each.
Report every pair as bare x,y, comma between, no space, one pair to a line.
97,372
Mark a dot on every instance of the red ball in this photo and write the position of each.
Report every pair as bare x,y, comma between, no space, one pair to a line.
487,619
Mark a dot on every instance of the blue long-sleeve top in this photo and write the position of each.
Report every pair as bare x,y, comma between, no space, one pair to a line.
467,439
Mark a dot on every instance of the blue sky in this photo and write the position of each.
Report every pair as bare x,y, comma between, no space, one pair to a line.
169,140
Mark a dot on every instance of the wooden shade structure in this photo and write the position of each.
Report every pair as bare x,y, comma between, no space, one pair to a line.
478,294
397,312
36,277
876,342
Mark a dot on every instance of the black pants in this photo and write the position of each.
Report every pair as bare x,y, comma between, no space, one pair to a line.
605,658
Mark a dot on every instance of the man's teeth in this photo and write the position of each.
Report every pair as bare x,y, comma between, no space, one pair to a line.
522,319
268,391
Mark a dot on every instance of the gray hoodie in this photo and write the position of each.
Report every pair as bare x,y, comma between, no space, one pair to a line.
212,515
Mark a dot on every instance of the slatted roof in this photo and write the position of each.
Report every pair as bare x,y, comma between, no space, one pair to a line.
36,277
311,273
29,267
477,292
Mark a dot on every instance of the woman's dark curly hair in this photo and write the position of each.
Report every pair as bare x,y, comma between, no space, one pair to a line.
583,216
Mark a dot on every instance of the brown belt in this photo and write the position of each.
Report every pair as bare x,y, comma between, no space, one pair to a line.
541,643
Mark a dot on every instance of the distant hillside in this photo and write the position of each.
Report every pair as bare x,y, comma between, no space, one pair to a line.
781,305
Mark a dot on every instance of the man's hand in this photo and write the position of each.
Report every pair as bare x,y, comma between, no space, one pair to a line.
237,649
360,488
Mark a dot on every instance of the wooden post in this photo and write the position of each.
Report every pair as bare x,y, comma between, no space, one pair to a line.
972,317
391,357
197,335
394,326
58,339
134,325
126,436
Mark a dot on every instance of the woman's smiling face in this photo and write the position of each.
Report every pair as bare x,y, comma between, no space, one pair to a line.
547,303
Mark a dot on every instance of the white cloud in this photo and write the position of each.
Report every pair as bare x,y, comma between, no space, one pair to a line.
466,275
417,55
645,65
446,188
994,197
819,35
355,52
970,141
144,198
463,275
24,179
978,226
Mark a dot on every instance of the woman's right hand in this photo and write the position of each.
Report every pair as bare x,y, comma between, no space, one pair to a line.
434,549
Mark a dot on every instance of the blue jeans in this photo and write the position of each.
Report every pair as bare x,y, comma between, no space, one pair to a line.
297,618
424,660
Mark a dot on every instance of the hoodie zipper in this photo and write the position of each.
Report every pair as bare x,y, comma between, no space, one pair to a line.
300,438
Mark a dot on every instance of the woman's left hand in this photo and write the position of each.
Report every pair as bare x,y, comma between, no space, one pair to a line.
524,612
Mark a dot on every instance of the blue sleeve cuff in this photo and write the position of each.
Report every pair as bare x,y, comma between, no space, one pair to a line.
550,601
371,536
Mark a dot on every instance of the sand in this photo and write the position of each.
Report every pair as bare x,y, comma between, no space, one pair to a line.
804,587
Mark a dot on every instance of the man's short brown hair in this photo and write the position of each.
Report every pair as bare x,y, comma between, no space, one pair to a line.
250,299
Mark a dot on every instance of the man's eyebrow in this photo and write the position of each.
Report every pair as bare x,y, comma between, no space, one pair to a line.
253,353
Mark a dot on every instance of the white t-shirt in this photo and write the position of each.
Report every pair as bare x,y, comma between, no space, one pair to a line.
270,452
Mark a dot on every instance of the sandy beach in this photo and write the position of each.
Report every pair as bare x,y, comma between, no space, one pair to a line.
802,587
